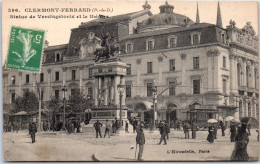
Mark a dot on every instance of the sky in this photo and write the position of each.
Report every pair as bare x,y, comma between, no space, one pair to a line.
58,30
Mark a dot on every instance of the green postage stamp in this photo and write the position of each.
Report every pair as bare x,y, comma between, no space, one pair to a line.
25,49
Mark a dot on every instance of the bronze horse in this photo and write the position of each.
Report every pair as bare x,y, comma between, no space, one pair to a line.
104,52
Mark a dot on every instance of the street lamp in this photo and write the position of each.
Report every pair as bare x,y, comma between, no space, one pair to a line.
226,98
40,104
121,89
154,90
64,90
88,100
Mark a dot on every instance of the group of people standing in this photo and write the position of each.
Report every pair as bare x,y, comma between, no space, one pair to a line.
109,127
12,126
75,126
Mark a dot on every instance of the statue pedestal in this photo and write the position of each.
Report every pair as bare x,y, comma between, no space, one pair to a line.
109,92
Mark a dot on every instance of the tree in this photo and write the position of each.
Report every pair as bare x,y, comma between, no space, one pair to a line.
78,101
28,103
54,104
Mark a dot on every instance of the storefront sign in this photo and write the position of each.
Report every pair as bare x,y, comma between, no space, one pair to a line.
134,114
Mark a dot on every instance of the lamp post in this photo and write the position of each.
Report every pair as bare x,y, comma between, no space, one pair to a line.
40,105
121,89
88,100
64,90
226,98
154,90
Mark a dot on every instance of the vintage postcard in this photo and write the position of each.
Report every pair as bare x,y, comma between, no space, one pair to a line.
130,80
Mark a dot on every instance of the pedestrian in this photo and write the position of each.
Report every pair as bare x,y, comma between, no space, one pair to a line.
257,131
248,129
113,127
233,131
17,127
126,127
194,129
162,129
71,126
168,129
108,128
186,129
216,130
140,140
78,126
211,135
223,127
13,126
5,127
172,124
68,126
241,141
97,126
32,131
134,125
75,126
116,123
178,125
81,126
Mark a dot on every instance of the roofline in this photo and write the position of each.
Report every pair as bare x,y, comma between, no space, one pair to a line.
46,49
144,12
134,36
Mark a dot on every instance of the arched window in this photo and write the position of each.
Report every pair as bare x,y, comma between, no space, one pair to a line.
247,76
171,106
238,74
255,78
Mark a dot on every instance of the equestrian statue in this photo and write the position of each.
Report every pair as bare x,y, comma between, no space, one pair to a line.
109,46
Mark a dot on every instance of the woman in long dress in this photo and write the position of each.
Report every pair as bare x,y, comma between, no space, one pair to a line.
241,142
211,135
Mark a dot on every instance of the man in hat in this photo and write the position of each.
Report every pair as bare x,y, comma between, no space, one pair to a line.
168,129
140,140
32,130
162,129
186,129
223,127
134,125
194,129
108,128
97,126
126,127
233,131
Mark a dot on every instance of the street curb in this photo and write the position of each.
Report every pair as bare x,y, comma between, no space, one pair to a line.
94,158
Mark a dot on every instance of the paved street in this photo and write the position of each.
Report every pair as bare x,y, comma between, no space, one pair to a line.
81,147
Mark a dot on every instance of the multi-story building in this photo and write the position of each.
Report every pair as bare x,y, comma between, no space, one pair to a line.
215,68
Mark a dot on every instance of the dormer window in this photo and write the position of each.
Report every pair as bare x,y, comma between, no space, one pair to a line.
58,57
195,38
149,21
150,44
223,38
172,41
129,47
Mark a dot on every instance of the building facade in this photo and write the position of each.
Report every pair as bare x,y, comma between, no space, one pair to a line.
195,66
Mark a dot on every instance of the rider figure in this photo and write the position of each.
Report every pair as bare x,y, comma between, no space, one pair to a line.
105,41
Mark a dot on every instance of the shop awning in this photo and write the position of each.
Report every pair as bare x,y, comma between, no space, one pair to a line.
229,107
203,107
21,113
143,106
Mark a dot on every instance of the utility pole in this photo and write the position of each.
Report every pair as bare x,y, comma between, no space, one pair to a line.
154,90
64,90
40,106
